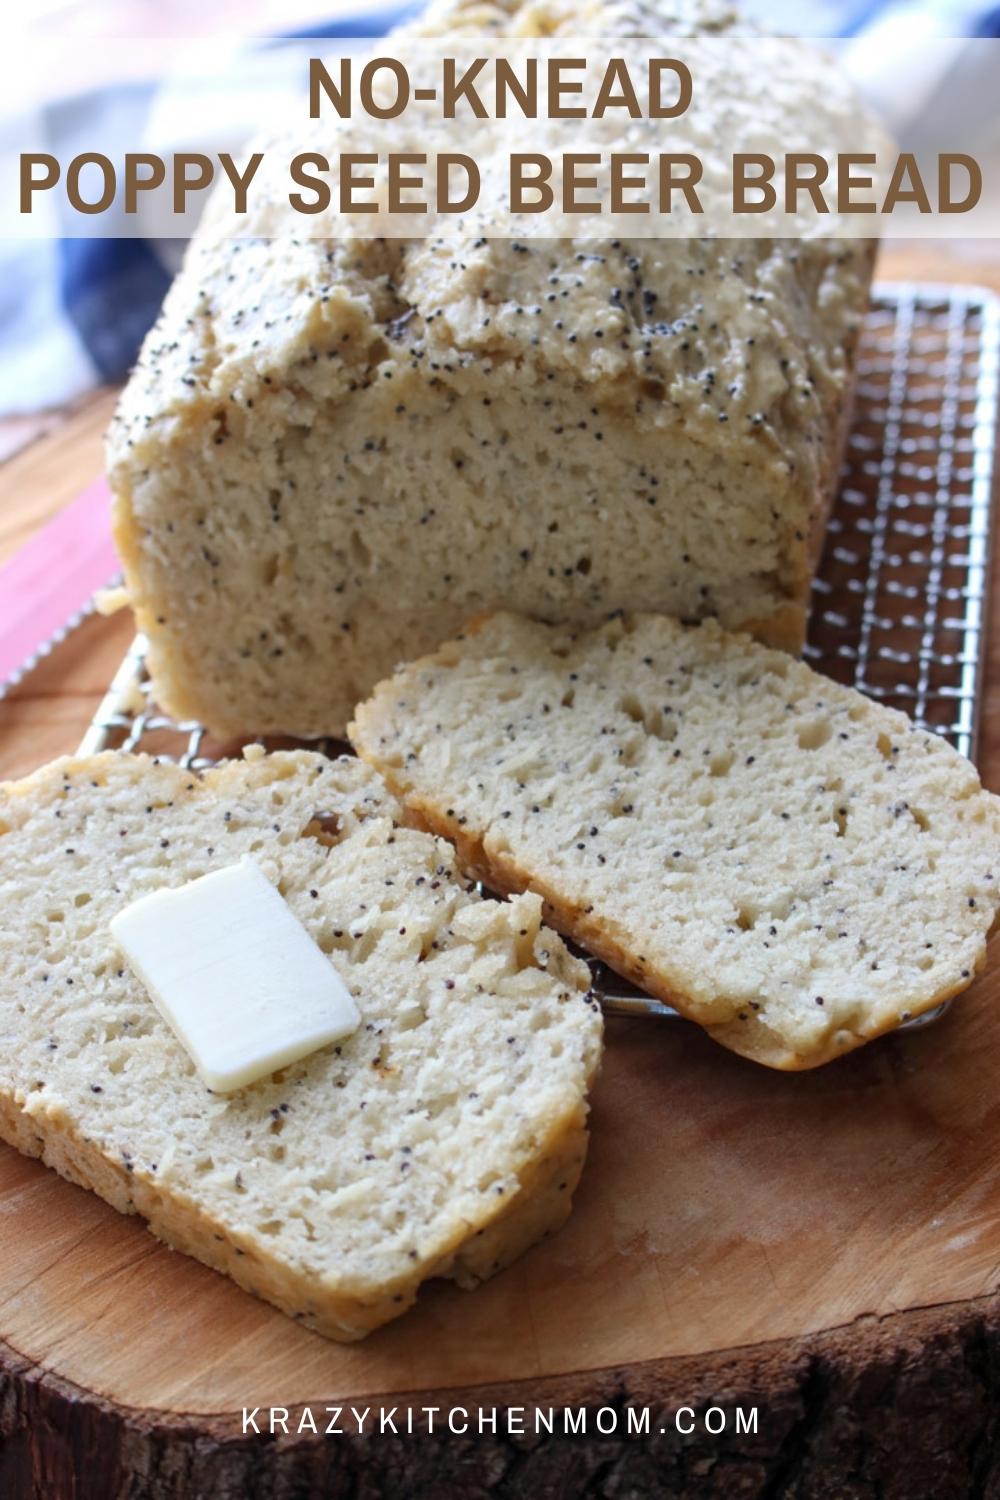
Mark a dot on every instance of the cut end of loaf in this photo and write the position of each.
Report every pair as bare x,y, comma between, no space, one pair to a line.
332,452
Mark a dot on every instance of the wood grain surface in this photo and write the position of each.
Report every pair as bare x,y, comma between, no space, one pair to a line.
828,1242
721,1205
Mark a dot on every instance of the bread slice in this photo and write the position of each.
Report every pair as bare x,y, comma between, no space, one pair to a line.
794,867
442,1139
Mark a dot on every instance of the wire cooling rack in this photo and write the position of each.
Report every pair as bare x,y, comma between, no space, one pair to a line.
899,604
899,601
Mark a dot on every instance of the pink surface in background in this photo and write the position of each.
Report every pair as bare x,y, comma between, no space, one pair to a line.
55,575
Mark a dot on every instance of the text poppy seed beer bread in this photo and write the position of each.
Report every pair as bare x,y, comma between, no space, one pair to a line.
442,1138
333,452
791,865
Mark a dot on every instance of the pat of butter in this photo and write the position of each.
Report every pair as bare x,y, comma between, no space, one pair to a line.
235,974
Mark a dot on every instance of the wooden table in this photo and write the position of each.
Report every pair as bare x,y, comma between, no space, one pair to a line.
823,1247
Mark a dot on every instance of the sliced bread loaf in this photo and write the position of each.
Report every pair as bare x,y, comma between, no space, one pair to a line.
333,451
441,1139
791,865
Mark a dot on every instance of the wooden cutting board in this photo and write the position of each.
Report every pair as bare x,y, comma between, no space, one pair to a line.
823,1248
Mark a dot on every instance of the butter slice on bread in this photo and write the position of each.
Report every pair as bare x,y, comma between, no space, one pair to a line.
793,866
441,1139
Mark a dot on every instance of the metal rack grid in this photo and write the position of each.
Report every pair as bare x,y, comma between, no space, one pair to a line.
899,601
899,604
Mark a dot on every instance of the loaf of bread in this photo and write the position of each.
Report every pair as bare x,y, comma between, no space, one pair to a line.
441,1139
789,864
332,454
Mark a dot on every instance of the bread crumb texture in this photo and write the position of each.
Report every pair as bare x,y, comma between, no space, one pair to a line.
441,1139
793,866
333,452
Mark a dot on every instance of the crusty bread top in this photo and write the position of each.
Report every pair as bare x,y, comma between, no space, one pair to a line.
796,867
575,18
360,1170
747,342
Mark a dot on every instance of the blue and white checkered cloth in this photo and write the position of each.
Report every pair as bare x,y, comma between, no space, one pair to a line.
74,311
